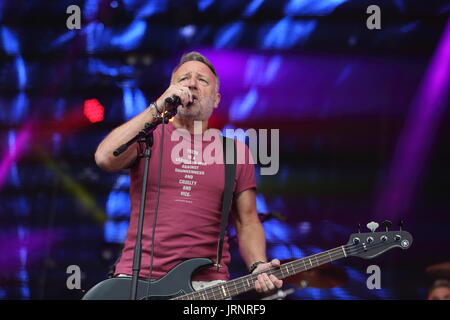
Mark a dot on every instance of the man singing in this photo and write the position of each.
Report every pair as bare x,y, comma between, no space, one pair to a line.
189,211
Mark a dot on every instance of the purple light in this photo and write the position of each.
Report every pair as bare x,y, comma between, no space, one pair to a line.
295,84
29,246
415,140
14,153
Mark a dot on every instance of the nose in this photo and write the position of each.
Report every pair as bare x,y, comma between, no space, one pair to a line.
192,84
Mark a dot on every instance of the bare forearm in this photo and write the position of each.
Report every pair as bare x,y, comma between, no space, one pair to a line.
252,243
104,155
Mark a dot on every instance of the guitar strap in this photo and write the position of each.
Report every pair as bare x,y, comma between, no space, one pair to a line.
229,156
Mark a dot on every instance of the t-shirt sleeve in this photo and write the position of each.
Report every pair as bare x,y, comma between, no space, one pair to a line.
245,169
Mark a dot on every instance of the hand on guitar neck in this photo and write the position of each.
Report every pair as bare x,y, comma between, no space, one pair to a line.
267,283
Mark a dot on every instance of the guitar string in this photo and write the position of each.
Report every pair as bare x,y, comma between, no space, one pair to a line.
323,257
294,265
252,277
337,250
218,288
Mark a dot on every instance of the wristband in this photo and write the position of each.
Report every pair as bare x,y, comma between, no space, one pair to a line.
156,107
254,266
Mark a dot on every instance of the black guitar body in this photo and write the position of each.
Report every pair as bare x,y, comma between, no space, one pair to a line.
176,282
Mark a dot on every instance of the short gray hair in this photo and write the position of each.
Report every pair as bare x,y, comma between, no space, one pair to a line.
197,56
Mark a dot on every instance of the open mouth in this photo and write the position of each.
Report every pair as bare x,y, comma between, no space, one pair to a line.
194,100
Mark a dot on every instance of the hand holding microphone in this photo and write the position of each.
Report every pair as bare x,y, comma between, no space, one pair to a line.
173,100
175,96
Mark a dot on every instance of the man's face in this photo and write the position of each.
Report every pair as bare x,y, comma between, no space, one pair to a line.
200,80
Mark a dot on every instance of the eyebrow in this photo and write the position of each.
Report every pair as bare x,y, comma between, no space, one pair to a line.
190,72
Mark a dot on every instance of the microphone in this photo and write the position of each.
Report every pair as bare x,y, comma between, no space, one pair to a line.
173,100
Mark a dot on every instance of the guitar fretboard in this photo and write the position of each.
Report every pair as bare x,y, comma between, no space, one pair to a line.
243,284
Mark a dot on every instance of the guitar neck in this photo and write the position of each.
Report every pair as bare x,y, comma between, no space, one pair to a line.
243,284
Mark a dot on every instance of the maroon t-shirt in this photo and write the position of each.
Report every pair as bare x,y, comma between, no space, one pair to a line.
190,205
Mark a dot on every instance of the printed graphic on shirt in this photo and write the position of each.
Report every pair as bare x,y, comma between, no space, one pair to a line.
190,168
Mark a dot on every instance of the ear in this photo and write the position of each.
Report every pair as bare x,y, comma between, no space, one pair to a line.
216,104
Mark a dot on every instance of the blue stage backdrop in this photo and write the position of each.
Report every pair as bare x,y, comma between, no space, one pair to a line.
362,116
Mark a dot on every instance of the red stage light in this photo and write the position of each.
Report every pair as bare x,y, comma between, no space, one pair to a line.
93,110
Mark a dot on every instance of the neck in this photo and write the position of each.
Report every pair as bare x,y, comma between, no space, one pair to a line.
243,284
189,124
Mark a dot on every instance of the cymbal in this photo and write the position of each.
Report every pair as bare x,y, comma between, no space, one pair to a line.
439,270
324,277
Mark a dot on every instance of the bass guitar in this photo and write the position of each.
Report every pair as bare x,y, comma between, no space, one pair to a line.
176,284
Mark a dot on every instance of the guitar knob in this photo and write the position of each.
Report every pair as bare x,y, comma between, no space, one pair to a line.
383,238
386,224
369,240
397,237
372,226
356,240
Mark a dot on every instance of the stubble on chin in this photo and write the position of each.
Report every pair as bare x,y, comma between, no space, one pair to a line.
195,112
188,113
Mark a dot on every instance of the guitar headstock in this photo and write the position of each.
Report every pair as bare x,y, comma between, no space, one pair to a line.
371,244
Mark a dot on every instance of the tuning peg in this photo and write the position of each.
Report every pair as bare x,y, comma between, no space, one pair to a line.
386,224
400,224
359,227
372,226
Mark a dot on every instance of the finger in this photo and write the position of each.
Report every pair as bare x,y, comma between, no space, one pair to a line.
258,286
262,282
191,98
269,284
178,91
171,92
184,96
277,282
275,263
266,282
188,94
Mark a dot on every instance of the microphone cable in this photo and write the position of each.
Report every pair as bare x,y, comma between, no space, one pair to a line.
156,205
